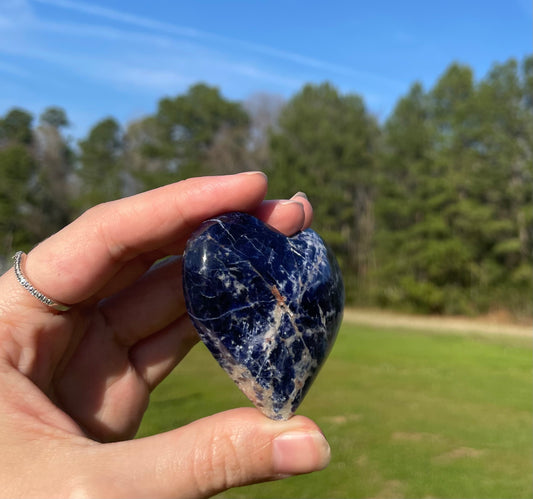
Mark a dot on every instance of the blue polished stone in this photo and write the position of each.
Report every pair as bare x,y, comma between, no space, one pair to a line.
267,306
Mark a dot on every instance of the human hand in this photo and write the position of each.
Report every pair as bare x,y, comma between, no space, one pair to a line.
74,385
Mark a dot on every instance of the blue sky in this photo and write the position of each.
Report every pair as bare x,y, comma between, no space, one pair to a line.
100,58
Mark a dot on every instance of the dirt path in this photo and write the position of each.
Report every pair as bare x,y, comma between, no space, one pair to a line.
436,323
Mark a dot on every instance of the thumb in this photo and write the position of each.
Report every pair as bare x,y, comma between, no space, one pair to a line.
229,449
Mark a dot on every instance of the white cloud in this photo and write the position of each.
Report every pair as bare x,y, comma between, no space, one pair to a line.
159,80
204,36
137,67
142,59
13,13
123,60
6,67
124,17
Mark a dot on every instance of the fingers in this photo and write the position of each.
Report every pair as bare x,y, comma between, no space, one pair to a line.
76,262
288,216
148,305
156,299
150,317
308,209
226,450
79,261
156,356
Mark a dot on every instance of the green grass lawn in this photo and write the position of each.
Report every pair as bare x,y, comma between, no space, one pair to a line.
407,414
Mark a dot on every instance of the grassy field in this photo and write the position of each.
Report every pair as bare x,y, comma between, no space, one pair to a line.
407,413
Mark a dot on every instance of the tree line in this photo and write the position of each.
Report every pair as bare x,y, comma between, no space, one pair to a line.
430,211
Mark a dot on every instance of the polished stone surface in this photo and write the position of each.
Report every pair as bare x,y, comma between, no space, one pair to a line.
267,306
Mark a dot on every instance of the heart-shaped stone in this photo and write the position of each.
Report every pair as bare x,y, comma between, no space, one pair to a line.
267,306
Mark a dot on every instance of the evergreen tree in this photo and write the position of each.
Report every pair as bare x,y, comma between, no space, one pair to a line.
100,159
433,212
52,193
17,168
178,141
455,195
16,127
325,145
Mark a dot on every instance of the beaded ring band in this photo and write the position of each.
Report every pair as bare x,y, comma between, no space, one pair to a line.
60,307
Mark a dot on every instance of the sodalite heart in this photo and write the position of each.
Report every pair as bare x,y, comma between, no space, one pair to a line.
267,306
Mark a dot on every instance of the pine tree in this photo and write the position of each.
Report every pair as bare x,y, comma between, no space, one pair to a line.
325,145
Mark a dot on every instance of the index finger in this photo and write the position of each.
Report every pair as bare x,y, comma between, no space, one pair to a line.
77,261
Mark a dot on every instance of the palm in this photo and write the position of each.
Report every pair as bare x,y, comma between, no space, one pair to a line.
101,388
103,379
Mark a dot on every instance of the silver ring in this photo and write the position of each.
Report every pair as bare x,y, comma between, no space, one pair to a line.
60,307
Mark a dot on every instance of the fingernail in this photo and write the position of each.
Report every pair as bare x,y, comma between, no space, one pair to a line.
300,194
254,173
290,201
300,452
